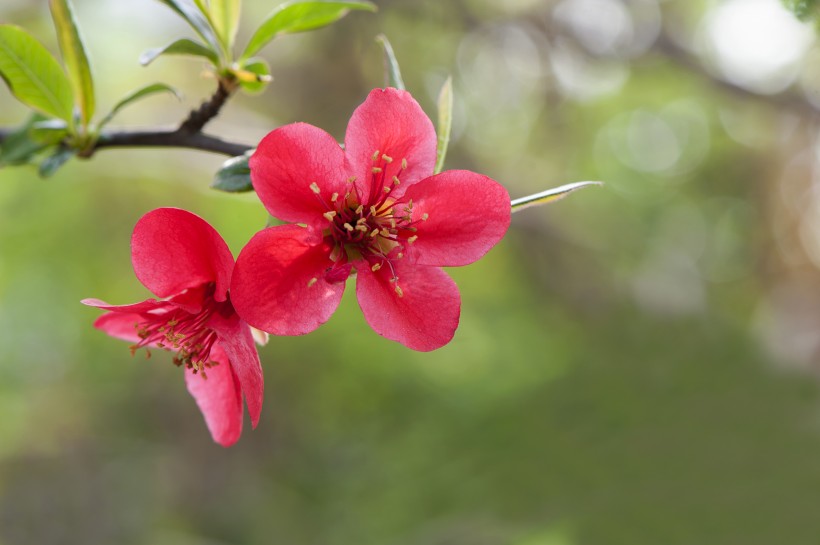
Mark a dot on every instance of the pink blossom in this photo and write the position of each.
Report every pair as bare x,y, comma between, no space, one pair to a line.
375,208
180,258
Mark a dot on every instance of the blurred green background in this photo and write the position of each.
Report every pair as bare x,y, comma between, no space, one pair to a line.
636,364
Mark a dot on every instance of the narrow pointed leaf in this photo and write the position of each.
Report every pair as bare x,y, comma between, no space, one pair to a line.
198,21
392,73
234,176
445,122
20,147
33,75
225,18
549,195
138,94
75,57
53,162
183,46
294,17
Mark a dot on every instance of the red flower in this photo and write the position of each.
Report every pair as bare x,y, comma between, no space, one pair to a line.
374,207
182,259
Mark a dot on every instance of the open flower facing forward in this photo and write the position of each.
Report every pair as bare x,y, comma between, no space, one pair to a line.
374,208
183,260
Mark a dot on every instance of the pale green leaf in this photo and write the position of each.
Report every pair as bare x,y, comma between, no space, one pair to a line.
75,57
138,94
183,46
225,18
445,122
198,21
294,17
33,75
549,195
392,73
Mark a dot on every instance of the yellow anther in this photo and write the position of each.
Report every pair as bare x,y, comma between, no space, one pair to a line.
348,227
392,223
374,233
360,209
314,187
351,179
387,158
385,232
425,216
387,189
375,155
400,255
329,215
361,220
412,239
334,197
362,228
376,267
396,180
312,281
399,292
375,170
403,163
373,210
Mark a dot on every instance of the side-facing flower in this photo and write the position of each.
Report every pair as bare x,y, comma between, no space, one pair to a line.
374,207
180,258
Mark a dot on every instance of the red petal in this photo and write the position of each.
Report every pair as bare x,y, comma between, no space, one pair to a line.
390,122
236,340
173,250
467,214
285,165
273,285
424,318
219,398
119,325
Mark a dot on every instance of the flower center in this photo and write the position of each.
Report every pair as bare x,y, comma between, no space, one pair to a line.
186,333
367,226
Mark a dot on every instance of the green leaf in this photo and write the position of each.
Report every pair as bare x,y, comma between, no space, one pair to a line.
49,131
183,46
19,147
234,176
294,17
392,73
445,122
53,162
253,76
198,21
225,18
549,195
138,94
75,58
33,75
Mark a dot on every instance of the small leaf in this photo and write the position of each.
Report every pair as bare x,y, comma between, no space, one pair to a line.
392,73
183,46
445,122
294,17
53,162
33,75
75,58
234,176
138,94
198,21
19,147
225,18
549,195
49,131
253,76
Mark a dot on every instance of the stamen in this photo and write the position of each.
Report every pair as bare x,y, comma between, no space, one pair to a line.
425,216
376,267
312,281
403,163
348,227
399,291
360,209
334,197
372,210
351,179
396,180
374,233
375,170
387,158
314,187
412,239
375,155
330,215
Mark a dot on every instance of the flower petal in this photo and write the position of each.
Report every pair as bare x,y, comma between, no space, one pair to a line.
467,214
391,123
236,340
120,325
173,250
424,318
279,283
219,398
291,159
